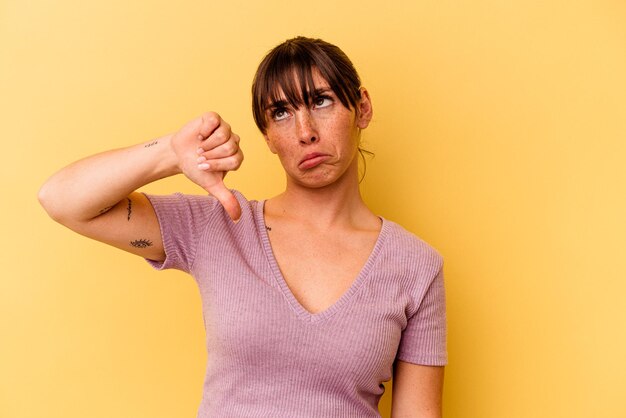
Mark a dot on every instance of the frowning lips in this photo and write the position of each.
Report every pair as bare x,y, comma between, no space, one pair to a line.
312,160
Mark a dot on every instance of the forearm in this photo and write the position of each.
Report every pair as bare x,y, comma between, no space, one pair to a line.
88,187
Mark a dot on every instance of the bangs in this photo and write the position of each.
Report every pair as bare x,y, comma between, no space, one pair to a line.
290,82
285,77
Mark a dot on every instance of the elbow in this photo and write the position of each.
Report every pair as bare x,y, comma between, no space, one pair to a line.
47,199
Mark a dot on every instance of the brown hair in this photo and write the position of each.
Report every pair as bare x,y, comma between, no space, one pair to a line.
289,67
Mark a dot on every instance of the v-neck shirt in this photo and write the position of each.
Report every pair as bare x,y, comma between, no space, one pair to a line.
268,355
300,310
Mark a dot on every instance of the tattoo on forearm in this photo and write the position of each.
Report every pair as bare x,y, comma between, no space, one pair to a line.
141,243
108,208
269,228
130,204
151,144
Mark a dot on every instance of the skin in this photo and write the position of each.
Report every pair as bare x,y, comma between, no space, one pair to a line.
417,391
318,217
92,198
321,208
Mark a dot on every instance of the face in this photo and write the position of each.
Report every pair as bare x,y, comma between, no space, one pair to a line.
317,144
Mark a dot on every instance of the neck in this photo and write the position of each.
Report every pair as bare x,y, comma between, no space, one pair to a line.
339,203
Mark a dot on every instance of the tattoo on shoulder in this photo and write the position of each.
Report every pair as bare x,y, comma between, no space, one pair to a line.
108,208
129,208
150,144
141,243
269,228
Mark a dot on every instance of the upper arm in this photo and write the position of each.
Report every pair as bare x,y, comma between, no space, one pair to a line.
130,225
416,390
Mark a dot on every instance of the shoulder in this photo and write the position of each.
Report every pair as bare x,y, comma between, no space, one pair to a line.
190,224
411,250
189,213
413,264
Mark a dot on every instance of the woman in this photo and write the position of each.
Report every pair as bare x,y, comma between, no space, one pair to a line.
310,300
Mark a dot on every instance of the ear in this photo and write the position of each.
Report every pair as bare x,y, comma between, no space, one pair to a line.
269,143
364,109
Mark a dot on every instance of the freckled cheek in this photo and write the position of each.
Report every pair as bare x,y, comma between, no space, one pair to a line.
338,127
286,154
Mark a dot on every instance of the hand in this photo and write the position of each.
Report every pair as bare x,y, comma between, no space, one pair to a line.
206,149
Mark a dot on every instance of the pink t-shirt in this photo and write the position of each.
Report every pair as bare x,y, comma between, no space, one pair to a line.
270,357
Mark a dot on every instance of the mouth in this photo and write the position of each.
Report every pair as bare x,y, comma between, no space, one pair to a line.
312,160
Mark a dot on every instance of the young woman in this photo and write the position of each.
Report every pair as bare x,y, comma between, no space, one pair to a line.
310,300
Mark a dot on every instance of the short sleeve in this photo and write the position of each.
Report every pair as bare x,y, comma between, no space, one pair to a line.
182,220
424,338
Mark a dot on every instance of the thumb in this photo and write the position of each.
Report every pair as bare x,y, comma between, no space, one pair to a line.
227,199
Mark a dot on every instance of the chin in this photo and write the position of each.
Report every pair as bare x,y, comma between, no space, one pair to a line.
320,180
313,183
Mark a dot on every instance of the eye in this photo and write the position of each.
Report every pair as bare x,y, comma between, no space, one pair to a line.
280,114
322,101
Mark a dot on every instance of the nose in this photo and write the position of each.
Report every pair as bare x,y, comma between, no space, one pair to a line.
306,129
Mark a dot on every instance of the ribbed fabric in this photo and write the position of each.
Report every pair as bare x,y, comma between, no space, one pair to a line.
270,357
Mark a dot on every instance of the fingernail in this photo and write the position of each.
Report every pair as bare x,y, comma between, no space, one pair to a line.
204,166
201,159
199,151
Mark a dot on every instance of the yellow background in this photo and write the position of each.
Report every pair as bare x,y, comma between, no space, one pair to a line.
499,135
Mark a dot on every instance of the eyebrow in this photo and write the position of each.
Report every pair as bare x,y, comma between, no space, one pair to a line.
278,104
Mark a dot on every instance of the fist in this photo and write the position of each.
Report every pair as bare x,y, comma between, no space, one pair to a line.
206,149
